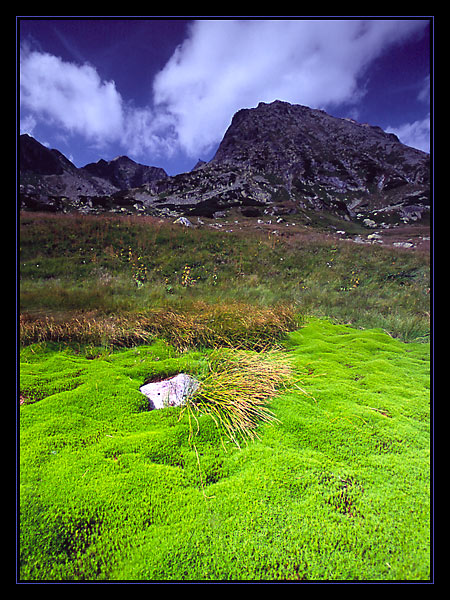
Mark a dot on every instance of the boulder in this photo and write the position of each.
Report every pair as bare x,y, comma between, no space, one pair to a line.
170,392
183,221
369,223
403,244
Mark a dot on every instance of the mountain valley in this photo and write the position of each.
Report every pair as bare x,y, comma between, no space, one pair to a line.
277,163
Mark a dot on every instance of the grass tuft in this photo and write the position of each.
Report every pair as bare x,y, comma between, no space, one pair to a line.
238,389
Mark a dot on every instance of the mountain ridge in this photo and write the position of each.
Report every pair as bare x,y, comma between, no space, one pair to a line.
124,172
277,158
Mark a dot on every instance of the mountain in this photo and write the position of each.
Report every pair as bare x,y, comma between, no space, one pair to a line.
36,158
49,181
124,173
308,149
282,158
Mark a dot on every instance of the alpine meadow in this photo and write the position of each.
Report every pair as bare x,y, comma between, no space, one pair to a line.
289,276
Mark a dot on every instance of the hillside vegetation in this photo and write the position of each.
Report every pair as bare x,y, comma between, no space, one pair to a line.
306,454
125,267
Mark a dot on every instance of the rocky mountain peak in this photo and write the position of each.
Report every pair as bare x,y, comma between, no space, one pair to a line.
305,147
277,158
124,173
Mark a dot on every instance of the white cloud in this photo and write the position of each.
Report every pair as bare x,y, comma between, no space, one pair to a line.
70,95
227,65
222,66
146,132
75,98
416,134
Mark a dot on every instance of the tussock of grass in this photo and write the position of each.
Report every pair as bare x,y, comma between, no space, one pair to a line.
237,391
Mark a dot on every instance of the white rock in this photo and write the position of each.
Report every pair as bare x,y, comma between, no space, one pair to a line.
358,240
403,244
170,392
183,221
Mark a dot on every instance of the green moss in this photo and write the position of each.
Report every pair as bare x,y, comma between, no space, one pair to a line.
338,490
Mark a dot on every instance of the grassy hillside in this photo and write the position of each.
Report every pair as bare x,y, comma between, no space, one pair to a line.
128,266
323,343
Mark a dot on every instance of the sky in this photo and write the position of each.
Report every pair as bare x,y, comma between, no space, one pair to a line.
163,91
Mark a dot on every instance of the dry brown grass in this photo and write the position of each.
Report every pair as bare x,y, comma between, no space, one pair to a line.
234,325
82,328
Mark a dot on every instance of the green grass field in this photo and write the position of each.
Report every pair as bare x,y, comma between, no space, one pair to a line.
336,486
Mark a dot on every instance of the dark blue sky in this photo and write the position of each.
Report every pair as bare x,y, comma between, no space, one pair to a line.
163,91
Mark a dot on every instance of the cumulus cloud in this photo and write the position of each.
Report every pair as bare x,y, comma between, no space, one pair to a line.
417,133
227,65
76,99
70,95
148,132
221,66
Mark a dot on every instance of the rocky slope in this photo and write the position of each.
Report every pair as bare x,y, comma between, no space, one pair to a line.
49,181
276,159
124,173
